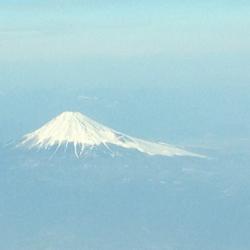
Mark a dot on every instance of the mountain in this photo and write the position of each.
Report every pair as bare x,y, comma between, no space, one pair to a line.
131,201
73,129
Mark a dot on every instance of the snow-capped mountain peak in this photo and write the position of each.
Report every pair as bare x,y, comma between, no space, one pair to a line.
74,128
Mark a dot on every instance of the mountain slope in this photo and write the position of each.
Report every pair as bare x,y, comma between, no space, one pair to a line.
73,128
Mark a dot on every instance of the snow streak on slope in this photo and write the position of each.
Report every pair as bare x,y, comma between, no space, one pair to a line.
84,133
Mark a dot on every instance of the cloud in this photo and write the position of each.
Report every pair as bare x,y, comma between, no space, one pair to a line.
87,98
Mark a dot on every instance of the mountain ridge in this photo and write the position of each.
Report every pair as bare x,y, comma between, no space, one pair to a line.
74,128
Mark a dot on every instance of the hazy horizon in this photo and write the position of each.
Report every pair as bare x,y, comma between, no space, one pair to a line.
169,71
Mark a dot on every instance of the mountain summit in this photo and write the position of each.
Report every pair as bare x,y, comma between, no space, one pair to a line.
74,128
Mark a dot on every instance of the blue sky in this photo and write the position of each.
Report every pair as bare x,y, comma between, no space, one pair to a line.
63,31
195,53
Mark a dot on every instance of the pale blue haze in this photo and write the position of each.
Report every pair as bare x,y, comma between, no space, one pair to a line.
71,31
172,71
